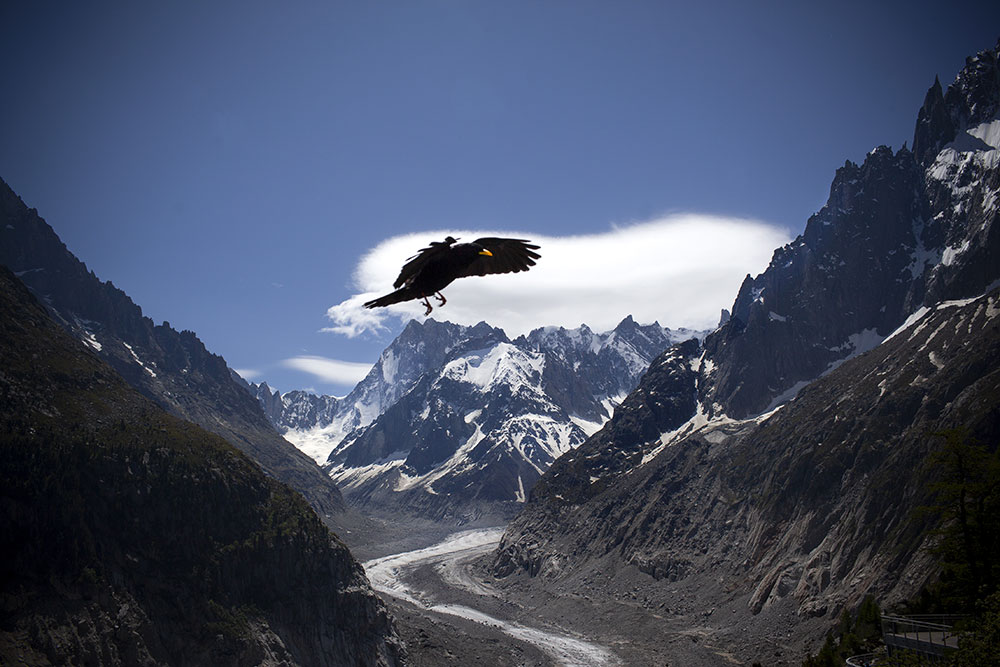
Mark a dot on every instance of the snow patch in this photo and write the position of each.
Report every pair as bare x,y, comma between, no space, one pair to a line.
914,317
988,133
589,427
316,443
610,403
500,364
455,462
951,252
137,360
351,478
390,364
938,364
855,345
92,341
700,420
788,395
858,344
919,314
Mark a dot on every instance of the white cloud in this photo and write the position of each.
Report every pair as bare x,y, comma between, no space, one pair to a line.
329,370
679,270
248,374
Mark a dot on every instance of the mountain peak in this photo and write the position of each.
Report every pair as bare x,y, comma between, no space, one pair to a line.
934,125
627,324
973,98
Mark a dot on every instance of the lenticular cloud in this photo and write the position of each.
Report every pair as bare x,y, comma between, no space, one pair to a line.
679,270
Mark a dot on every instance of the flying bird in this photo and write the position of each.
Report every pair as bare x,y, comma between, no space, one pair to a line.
436,266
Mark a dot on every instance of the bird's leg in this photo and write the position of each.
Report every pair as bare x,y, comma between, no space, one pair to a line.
440,297
429,307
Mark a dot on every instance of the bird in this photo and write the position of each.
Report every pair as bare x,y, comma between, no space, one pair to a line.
436,266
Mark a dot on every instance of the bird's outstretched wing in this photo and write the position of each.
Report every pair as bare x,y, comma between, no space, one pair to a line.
506,256
417,262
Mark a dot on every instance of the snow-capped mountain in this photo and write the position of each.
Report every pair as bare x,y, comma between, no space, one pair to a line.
775,468
458,414
317,424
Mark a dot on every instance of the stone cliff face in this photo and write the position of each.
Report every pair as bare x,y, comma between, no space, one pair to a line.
814,303
132,537
900,231
699,483
172,368
969,101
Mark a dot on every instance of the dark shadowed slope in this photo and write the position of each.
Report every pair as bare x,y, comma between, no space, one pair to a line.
128,536
173,368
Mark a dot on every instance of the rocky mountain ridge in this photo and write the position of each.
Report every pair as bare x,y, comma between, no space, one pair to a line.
172,368
131,537
918,225
698,487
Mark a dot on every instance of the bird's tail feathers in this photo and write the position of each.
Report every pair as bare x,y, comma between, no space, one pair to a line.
402,294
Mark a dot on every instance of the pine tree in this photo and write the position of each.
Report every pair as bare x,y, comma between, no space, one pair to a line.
968,500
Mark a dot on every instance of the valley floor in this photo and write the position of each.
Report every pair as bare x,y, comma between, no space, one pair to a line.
449,611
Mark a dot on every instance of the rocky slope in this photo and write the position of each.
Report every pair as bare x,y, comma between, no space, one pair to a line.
823,485
173,368
130,537
698,488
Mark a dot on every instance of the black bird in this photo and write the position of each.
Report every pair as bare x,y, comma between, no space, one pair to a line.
435,267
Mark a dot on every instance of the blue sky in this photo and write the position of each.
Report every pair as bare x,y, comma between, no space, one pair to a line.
242,168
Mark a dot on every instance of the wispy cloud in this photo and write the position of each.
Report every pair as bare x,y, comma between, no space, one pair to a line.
329,370
680,270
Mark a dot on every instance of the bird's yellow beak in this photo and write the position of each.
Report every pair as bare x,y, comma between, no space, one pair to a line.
486,252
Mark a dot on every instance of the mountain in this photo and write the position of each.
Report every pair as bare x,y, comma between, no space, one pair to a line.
455,419
131,537
775,469
172,368
317,424
918,227
296,410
